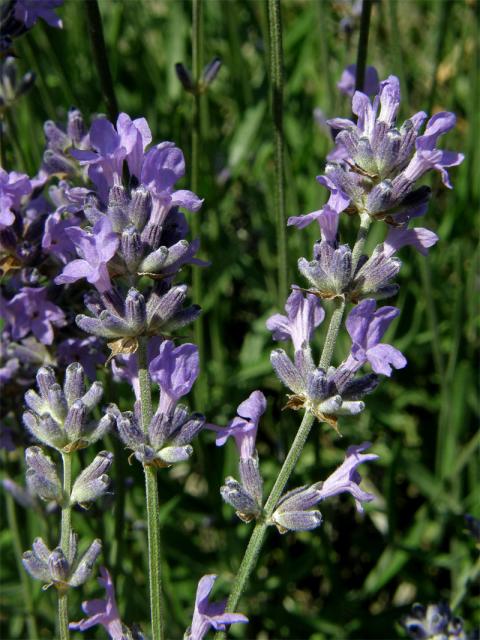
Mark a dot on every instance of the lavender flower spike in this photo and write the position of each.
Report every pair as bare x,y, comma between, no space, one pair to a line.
210,615
366,327
104,612
95,249
304,314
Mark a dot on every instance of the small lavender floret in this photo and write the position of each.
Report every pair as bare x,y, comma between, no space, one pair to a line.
11,86
31,311
42,476
93,482
247,497
366,326
293,511
96,250
207,615
59,418
304,314
55,569
103,612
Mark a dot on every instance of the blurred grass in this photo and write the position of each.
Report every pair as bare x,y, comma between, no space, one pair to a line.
351,578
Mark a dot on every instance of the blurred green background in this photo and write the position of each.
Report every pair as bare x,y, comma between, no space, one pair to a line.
351,578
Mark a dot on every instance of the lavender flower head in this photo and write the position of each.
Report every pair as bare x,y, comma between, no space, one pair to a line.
103,612
379,163
209,615
245,496
172,428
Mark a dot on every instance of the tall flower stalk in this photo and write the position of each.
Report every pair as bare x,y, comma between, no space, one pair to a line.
276,103
373,177
95,29
152,502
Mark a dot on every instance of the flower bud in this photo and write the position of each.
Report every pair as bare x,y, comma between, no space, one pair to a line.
42,477
74,386
85,566
140,207
93,482
132,249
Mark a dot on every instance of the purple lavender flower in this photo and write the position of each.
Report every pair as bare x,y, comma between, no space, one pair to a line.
327,216
13,187
31,311
347,82
96,250
111,147
55,241
304,314
175,370
376,164
244,426
210,615
162,167
293,509
418,237
346,479
104,612
29,11
366,326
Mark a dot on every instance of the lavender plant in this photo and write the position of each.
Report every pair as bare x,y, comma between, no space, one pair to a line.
373,178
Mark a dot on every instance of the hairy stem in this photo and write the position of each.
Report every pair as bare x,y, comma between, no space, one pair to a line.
363,44
17,545
332,334
65,534
95,29
197,46
276,98
365,222
151,491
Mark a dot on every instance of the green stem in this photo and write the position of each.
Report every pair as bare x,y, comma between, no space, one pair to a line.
332,334
365,222
65,534
151,490
197,32
363,44
276,98
95,29
17,545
